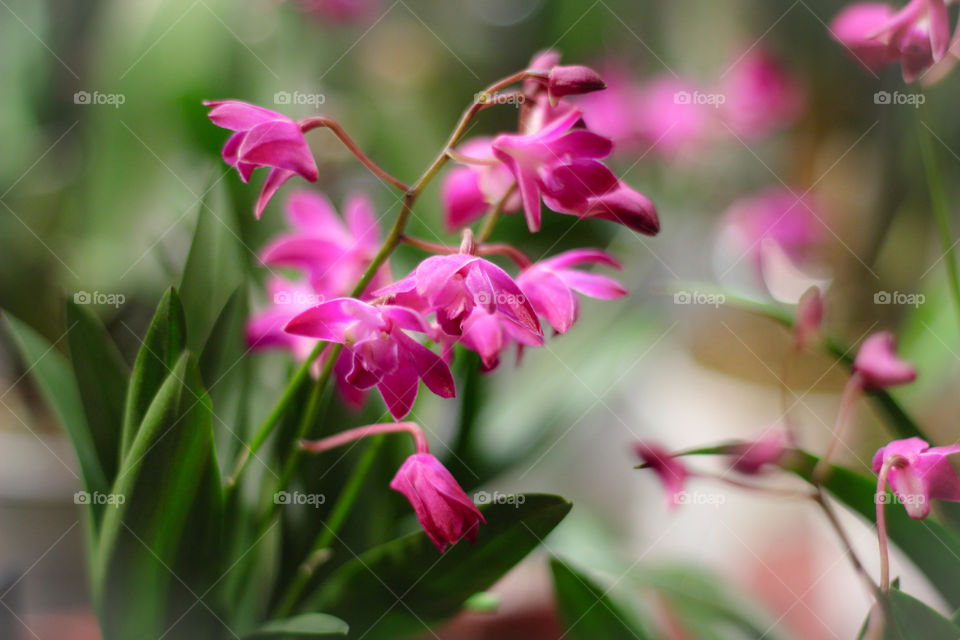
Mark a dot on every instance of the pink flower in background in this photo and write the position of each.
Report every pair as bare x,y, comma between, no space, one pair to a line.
919,473
445,512
671,472
918,35
265,330
383,355
856,26
550,285
759,96
777,232
454,286
878,365
672,119
754,456
623,205
469,190
263,138
338,11
613,112
334,252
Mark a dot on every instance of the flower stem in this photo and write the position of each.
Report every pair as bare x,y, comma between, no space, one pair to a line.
329,123
499,248
342,438
888,464
940,210
828,511
850,394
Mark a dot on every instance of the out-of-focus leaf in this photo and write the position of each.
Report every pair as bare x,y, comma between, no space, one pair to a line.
147,575
214,268
932,547
706,606
59,388
102,380
431,586
165,340
911,619
586,611
311,625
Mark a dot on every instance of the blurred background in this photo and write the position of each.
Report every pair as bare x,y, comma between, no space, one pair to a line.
107,152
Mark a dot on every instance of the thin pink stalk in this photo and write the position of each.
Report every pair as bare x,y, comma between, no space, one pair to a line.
881,501
340,439
851,393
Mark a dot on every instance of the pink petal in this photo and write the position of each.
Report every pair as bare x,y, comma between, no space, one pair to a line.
279,144
551,298
399,390
429,366
362,221
311,212
595,285
327,321
581,143
463,201
576,257
274,181
240,116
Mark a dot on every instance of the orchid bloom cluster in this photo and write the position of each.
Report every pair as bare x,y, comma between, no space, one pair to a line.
676,117
916,472
918,35
345,316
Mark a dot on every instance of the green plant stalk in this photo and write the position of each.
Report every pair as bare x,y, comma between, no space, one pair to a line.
325,538
940,211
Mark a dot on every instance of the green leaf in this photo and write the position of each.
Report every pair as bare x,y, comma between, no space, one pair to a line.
430,586
932,547
160,545
214,268
159,351
586,611
52,373
308,624
102,379
911,619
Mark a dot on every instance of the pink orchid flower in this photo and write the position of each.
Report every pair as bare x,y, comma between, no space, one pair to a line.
265,330
550,285
468,191
878,365
263,138
755,456
671,120
919,473
445,512
334,252
918,35
453,286
383,355
338,11
759,96
671,472
558,161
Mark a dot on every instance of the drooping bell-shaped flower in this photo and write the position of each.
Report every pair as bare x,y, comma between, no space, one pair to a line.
445,512
383,355
808,319
551,285
919,473
755,456
263,138
878,365
671,472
